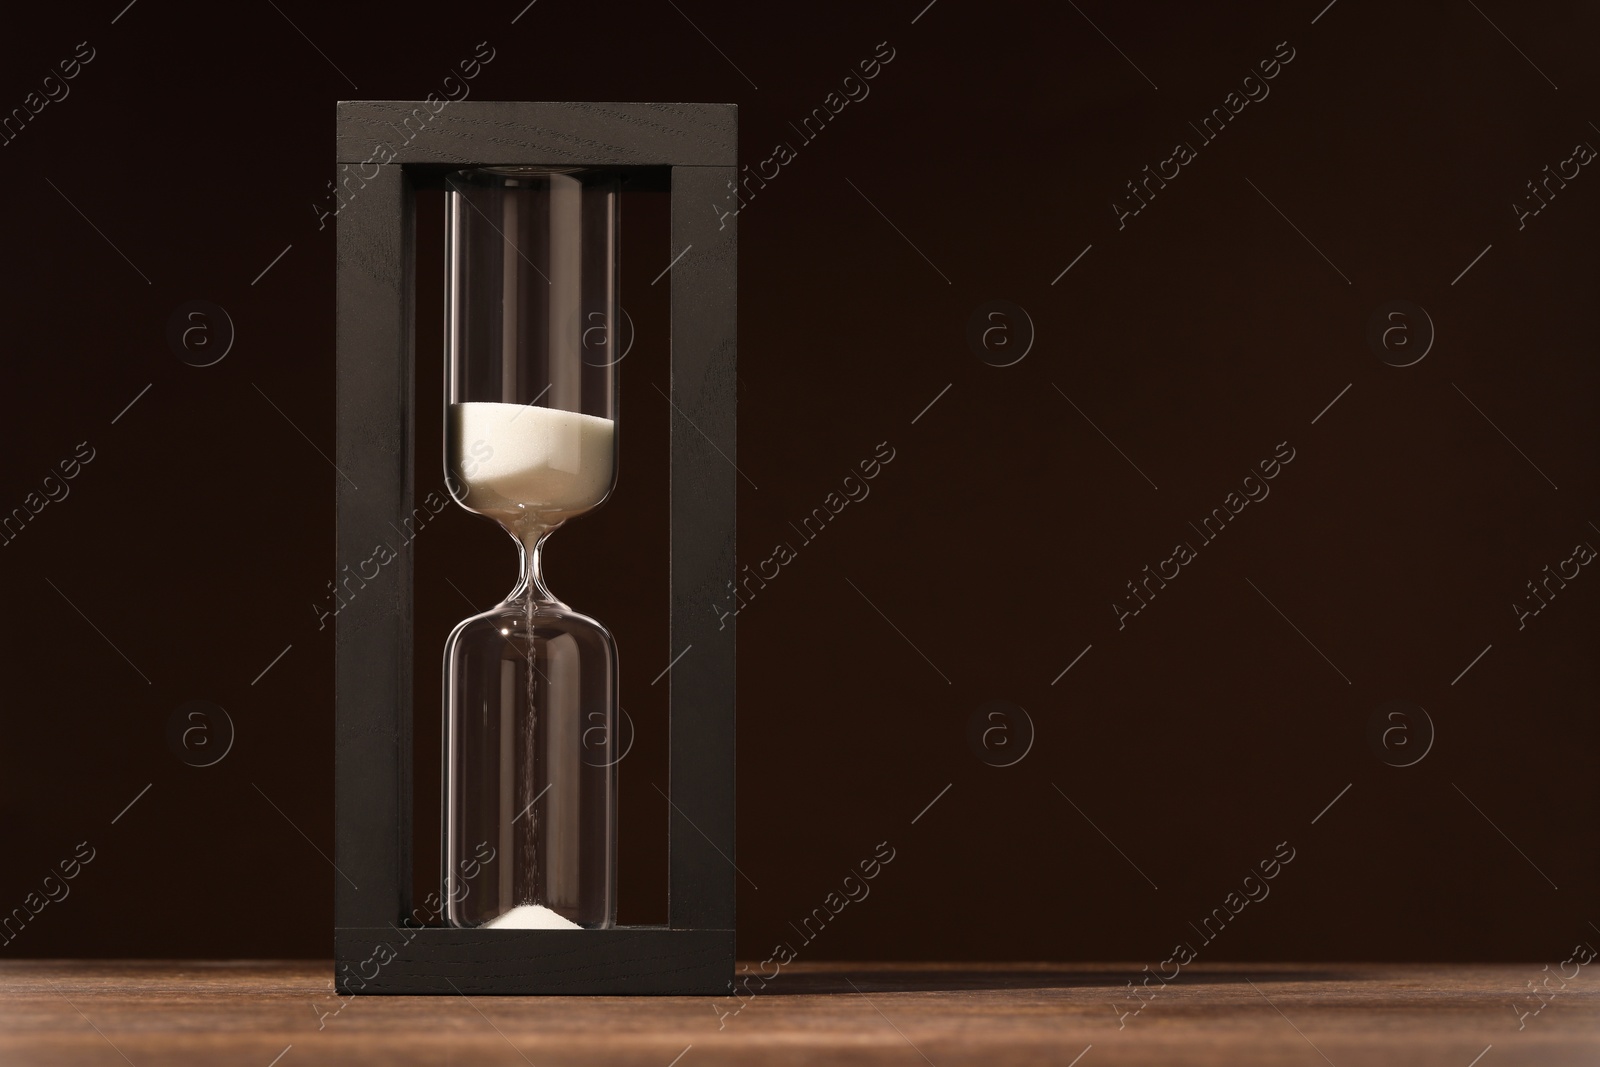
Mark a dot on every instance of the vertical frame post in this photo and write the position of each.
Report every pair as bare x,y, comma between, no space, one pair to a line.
705,484
372,632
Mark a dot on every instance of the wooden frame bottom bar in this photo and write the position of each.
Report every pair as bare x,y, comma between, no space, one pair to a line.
625,960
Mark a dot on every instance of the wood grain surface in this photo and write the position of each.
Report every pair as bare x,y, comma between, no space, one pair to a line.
257,1014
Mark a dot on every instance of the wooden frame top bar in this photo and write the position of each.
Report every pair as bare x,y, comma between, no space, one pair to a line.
492,131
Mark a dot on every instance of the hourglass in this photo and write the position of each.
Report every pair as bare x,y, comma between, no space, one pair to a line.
531,687
530,703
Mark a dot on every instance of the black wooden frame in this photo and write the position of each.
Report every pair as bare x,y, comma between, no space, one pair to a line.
386,150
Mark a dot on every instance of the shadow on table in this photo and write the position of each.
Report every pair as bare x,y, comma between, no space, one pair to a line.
820,979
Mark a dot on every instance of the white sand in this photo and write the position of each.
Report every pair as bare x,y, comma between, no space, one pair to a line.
519,460
532,917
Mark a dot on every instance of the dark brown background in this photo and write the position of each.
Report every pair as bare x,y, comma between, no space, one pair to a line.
1197,338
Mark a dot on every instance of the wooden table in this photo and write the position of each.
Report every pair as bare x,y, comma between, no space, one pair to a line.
256,1014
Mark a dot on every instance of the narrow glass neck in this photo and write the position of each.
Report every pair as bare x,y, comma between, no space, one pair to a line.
530,550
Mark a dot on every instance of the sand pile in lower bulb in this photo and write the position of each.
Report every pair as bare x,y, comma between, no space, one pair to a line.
532,917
